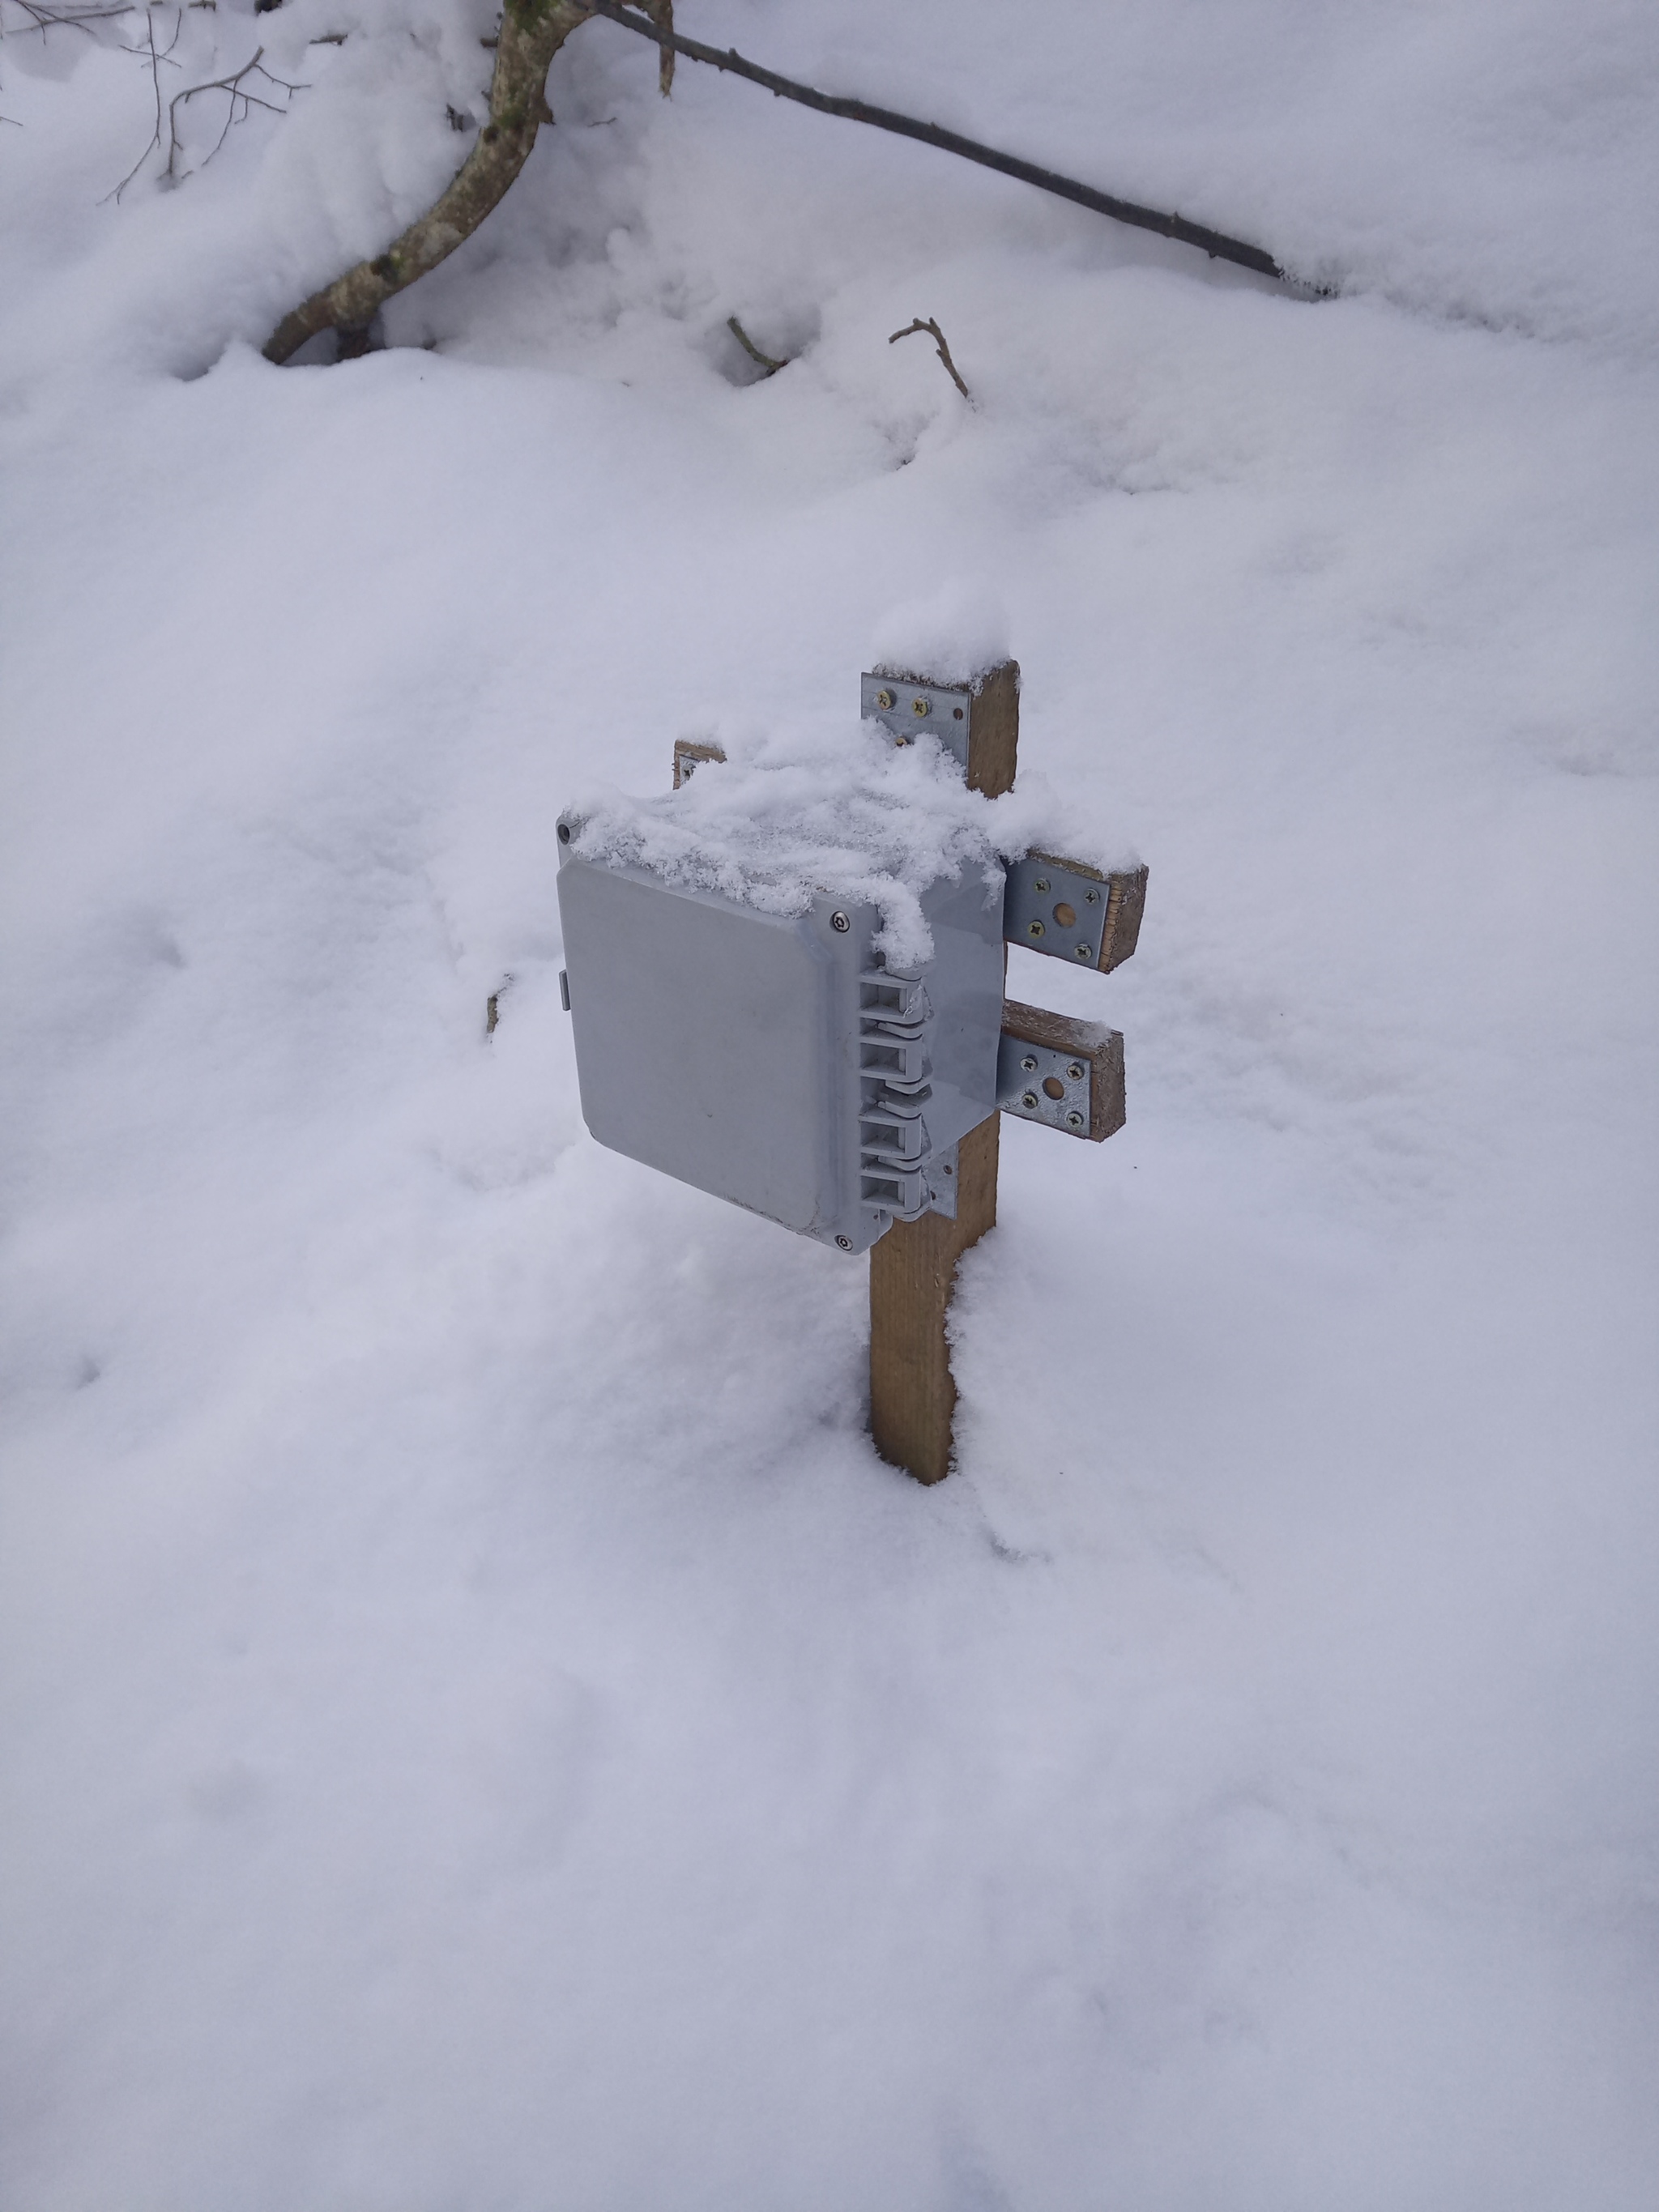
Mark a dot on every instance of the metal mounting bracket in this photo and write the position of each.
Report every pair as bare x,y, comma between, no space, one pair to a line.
1067,1074
907,711
1072,911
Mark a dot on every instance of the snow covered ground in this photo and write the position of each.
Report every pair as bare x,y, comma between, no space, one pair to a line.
482,1729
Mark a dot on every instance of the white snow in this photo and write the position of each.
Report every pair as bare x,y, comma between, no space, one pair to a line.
955,633
482,1729
846,812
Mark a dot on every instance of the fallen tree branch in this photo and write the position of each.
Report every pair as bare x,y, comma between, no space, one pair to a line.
1215,243
937,335
532,32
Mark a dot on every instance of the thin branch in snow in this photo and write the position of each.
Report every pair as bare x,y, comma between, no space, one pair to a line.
938,336
662,13
44,19
156,56
237,86
753,351
1215,243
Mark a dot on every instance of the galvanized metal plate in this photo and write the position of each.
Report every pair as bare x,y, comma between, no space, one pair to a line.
907,711
1040,1085
1055,906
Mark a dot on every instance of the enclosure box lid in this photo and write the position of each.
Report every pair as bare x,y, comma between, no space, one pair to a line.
758,1056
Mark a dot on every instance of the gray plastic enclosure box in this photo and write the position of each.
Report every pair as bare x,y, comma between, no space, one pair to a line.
773,1059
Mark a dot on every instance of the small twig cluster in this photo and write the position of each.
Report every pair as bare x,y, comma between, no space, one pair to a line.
239,86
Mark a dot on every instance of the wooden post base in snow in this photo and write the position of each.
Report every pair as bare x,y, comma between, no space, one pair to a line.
913,1267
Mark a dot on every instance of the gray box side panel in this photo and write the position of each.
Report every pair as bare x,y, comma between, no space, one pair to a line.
965,984
702,1033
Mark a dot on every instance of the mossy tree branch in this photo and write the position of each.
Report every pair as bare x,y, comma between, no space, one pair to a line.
532,32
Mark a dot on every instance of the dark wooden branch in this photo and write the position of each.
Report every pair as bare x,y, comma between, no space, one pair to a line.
532,32
1215,243
932,330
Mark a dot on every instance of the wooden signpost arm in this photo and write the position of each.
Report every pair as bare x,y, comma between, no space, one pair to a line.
913,1267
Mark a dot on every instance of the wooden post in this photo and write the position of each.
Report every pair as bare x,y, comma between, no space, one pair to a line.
913,1267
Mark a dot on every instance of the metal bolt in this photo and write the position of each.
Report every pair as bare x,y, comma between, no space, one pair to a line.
1030,1063
1086,952
1074,1120
1033,929
1030,1101
1077,1071
839,922
845,1242
1041,885
884,700
921,707
564,833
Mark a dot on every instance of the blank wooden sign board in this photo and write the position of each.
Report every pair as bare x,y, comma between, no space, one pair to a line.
625,930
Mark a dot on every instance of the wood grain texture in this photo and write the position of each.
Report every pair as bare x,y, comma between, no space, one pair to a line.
1125,902
913,1395
994,730
1091,1040
687,753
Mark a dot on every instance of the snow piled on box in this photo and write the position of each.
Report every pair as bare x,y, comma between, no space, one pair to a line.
849,813
482,1728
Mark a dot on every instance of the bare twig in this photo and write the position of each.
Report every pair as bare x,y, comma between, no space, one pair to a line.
157,57
1215,243
236,85
662,13
938,336
44,19
753,351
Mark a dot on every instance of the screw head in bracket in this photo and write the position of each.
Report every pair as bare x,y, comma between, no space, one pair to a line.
1041,885
1030,1063
1033,929
921,706
1076,1071
1086,952
1094,898
845,1242
1074,1120
840,923
885,701
564,833
1030,1101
